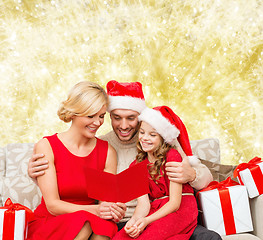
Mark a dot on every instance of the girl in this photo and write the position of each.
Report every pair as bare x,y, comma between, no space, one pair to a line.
66,212
169,211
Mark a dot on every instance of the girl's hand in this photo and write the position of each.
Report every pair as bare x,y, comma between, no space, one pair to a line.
133,232
141,223
131,229
130,223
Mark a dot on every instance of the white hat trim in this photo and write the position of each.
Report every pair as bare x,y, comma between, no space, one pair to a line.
126,102
163,126
193,160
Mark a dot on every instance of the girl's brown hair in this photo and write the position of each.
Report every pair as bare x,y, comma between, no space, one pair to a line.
160,156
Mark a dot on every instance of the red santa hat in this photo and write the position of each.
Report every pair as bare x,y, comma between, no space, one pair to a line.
170,127
125,96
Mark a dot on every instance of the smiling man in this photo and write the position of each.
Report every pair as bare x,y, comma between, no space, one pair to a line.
124,123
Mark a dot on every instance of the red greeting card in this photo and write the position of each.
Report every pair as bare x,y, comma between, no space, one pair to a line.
123,187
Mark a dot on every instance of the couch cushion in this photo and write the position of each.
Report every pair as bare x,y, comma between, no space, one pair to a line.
2,171
256,205
206,149
21,189
219,171
1,191
17,157
2,161
242,236
16,184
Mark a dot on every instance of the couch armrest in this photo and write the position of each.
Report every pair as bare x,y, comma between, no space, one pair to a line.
256,205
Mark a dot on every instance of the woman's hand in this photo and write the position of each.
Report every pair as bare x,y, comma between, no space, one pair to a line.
118,211
104,211
112,211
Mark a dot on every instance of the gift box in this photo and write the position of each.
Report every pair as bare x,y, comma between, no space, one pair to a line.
14,218
251,175
225,207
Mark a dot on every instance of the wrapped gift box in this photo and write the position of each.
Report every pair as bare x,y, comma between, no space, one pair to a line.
251,175
13,221
19,224
226,209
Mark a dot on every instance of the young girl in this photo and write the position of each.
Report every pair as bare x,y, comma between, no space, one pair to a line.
169,211
66,212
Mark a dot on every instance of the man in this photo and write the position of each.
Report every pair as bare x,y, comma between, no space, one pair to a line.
126,103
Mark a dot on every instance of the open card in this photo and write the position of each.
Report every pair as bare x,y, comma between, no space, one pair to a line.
123,187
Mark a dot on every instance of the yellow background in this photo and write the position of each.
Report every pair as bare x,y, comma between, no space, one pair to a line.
201,58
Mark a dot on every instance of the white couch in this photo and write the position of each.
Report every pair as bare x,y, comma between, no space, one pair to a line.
15,183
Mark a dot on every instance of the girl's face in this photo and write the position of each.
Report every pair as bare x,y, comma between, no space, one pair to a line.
149,138
89,125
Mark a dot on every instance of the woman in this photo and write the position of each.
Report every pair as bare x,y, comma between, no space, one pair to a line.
66,211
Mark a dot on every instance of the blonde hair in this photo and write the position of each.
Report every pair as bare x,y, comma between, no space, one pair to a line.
160,156
84,99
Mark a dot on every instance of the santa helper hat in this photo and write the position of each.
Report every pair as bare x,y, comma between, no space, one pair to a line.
170,127
126,95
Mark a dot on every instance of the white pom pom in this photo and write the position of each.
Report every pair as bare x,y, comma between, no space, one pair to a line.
193,160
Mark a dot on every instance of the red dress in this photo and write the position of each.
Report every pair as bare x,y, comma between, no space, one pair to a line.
72,188
178,225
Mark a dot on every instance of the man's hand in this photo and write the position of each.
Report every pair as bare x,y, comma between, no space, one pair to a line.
37,167
180,172
118,211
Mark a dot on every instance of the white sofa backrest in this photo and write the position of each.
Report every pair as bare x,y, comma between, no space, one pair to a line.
17,156
16,184
207,149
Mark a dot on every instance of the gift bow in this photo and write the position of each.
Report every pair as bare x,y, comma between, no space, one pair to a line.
242,166
220,185
10,206
9,218
255,170
225,200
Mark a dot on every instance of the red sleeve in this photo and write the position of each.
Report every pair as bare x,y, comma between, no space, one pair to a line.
173,156
133,163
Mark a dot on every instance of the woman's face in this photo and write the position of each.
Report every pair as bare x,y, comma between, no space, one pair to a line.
149,138
89,125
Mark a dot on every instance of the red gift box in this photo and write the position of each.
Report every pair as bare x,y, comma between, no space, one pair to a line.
13,220
250,174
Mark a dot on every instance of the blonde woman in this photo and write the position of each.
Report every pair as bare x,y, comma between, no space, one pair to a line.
66,212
